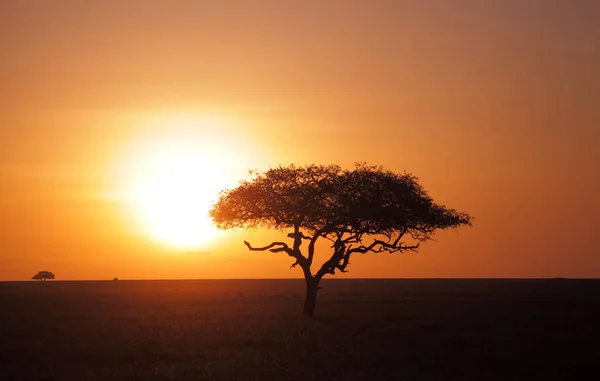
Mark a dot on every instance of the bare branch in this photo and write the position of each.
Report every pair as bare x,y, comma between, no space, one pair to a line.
379,246
302,236
395,247
311,248
329,266
342,253
354,238
278,247
313,240
363,249
297,235
283,247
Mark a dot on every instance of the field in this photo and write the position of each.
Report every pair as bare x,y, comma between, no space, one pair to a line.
253,330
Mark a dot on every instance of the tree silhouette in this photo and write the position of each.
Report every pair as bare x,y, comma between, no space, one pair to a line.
366,209
43,276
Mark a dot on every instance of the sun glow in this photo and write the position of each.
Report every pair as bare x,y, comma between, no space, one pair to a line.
174,200
174,175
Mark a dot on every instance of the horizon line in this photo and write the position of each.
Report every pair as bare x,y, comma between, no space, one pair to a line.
298,279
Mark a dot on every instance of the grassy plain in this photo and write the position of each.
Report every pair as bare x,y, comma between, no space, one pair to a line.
253,330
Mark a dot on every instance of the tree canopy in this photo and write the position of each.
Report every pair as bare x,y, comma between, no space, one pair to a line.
43,275
360,210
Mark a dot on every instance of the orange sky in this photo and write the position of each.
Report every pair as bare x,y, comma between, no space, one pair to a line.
494,105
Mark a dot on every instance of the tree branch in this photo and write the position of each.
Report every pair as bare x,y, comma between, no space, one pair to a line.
329,266
297,235
302,236
311,245
278,247
354,238
379,246
342,252
283,247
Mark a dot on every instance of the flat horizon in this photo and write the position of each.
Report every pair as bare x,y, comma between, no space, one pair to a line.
292,279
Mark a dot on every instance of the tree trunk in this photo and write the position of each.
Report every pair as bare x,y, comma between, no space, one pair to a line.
312,287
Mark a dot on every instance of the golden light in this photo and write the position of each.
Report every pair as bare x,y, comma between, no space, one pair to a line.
173,174
174,200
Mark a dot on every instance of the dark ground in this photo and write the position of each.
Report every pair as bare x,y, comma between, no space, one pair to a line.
252,330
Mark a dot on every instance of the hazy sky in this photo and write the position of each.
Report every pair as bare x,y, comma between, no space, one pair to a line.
494,105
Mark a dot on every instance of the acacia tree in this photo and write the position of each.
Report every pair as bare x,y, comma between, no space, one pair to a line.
43,276
366,209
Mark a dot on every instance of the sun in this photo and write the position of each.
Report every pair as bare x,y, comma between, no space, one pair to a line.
170,177
174,200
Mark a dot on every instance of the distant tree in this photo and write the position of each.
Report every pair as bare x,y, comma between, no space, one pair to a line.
43,276
115,279
366,209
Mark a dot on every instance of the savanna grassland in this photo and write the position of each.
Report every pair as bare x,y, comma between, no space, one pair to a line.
253,330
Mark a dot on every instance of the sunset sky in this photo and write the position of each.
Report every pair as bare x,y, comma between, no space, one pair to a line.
494,105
